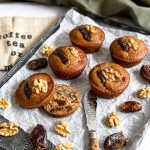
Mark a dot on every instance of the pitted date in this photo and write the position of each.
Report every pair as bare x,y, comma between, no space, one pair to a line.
101,77
123,44
145,72
27,90
131,106
85,33
115,141
39,138
61,55
37,63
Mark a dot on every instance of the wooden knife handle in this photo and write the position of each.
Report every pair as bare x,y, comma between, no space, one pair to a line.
94,144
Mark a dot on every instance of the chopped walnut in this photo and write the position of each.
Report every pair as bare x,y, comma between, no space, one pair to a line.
62,128
8,129
144,93
47,50
91,28
64,147
3,103
74,52
111,74
112,120
39,85
133,44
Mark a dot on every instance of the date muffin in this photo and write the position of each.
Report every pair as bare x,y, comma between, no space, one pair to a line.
65,101
35,91
108,80
128,51
87,37
68,62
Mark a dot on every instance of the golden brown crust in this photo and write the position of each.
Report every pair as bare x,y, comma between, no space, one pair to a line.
111,87
65,101
73,65
34,100
97,39
131,56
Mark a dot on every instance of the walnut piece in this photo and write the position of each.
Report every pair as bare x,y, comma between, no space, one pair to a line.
91,28
74,52
111,74
47,50
8,129
64,147
62,128
4,103
143,93
112,120
39,85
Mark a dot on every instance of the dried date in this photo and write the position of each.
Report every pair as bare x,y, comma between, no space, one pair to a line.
27,90
115,141
86,34
101,77
37,63
145,72
123,44
61,55
131,106
39,138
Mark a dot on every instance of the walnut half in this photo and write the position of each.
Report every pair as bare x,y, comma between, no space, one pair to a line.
47,50
39,85
62,128
64,147
112,120
143,93
3,103
8,129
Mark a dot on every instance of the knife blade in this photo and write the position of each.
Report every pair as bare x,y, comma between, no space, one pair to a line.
90,112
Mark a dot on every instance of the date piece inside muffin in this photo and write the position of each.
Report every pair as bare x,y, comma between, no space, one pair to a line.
128,51
35,91
87,37
68,62
108,80
65,102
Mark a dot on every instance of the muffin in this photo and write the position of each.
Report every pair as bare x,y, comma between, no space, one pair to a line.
88,37
35,91
65,102
128,51
68,62
108,80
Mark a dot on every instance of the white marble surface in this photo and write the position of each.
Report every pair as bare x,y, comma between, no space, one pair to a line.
30,9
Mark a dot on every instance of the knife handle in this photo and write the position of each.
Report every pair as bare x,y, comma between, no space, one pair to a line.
94,144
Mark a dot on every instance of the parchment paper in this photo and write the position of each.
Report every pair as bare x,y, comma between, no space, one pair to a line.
132,124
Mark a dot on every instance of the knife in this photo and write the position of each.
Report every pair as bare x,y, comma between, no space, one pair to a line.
90,112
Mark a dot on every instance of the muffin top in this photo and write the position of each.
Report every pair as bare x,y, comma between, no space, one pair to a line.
109,77
68,59
64,102
35,90
128,48
86,34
